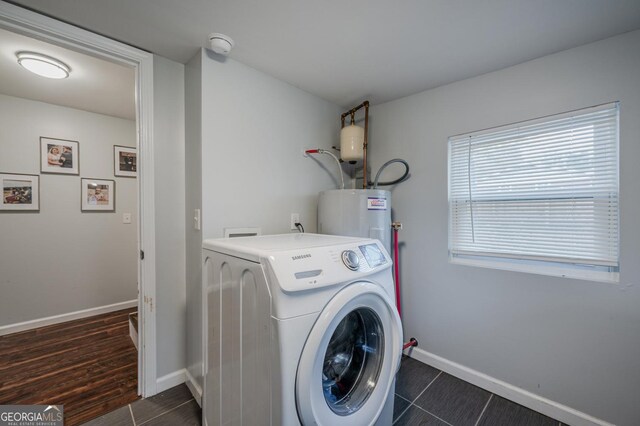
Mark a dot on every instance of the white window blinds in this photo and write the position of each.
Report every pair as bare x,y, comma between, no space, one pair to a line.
542,190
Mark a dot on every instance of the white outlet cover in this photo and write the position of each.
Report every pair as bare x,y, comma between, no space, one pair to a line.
295,218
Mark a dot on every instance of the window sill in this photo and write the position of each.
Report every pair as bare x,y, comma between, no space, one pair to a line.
539,268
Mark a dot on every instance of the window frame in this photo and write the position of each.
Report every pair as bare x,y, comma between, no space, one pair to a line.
526,263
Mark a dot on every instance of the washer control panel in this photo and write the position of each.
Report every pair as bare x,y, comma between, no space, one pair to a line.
351,260
373,255
316,267
363,258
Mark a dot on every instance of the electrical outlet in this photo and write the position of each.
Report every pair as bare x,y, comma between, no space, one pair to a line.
295,218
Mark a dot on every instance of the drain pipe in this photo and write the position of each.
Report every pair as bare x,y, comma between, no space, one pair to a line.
396,226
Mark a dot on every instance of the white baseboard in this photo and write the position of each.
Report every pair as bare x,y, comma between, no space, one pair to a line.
171,380
196,391
523,397
56,319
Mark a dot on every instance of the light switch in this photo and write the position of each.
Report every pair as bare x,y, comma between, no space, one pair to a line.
126,217
196,219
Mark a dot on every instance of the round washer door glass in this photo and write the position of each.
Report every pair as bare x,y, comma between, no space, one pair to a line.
350,358
352,361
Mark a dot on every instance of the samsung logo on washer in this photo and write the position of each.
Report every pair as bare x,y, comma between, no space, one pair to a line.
301,256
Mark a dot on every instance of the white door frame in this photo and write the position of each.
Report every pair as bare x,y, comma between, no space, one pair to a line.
29,23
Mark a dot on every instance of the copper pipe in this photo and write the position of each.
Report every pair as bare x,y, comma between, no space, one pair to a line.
352,113
353,110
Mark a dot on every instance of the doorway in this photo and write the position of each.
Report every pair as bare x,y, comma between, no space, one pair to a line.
24,22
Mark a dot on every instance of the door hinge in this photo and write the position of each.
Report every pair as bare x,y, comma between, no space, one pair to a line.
141,254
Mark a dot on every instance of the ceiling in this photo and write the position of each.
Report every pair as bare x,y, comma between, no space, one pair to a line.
345,51
94,85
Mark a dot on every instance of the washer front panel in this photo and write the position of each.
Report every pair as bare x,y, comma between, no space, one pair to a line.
350,358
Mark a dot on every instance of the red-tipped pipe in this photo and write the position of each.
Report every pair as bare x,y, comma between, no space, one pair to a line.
396,269
312,151
412,342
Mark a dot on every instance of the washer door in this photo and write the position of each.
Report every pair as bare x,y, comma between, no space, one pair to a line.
350,359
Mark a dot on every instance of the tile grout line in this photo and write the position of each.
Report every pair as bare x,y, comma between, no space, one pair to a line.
133,419
168,411
429,412
401,414
483,410
425,389
408,406
432,415
402,397
415,399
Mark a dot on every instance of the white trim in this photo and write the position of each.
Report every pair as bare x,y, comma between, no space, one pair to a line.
171,380
14,18
146,215
535,402
539,268
543,119
57,319
196,391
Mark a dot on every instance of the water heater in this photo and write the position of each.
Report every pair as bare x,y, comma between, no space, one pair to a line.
356,213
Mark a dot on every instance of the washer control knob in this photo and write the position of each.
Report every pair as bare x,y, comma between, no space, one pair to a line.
350,260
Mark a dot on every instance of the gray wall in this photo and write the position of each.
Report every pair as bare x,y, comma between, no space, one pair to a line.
61,260
575,342
254,131
169,147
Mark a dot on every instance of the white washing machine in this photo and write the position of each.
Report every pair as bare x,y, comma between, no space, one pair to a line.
299,329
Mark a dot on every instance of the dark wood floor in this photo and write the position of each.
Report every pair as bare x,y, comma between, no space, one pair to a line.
89,365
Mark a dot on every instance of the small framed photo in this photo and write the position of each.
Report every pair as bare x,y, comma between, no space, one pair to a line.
125,161
98,195
20,192
59,156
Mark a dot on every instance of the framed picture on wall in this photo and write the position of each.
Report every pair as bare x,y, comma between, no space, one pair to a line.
59,156
97,195
20,192
125,161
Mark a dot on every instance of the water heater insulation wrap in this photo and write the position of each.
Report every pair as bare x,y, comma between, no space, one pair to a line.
356,213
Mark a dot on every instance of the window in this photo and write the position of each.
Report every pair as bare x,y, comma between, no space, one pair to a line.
539,196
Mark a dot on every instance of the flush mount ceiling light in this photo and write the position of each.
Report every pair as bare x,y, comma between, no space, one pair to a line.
43,65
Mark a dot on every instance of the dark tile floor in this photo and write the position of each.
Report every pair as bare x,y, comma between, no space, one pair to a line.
425,396
172,407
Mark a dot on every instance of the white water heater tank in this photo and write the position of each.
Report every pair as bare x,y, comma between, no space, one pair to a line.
356,213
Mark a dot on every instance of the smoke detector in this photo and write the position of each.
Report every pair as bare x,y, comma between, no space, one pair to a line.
220,43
